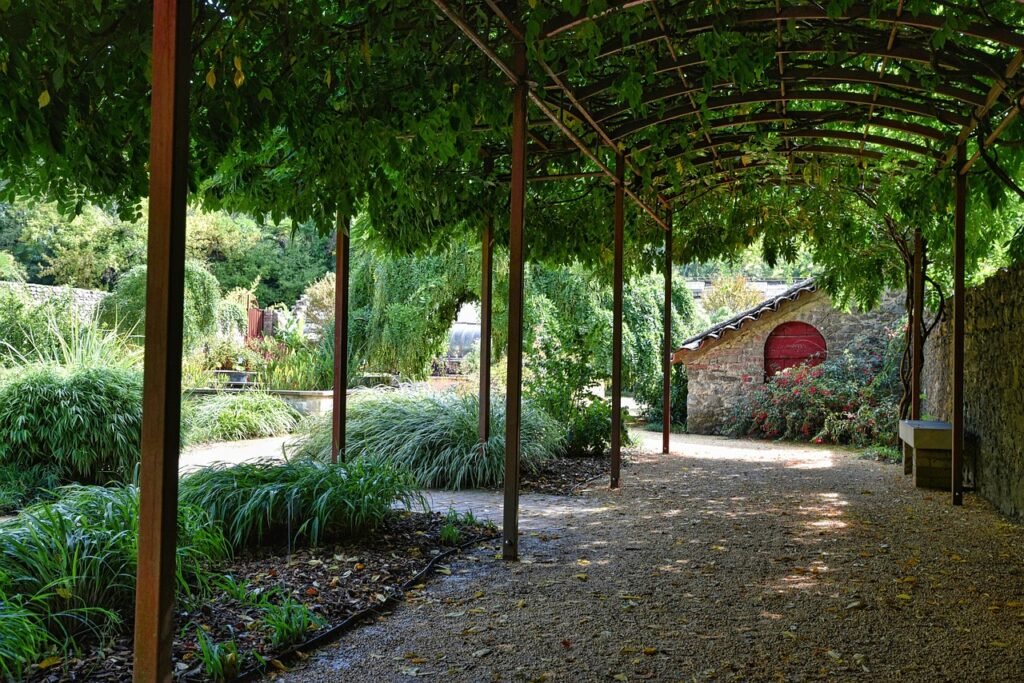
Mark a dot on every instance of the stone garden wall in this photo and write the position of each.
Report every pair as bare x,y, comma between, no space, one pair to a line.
993,389
720,372
83,301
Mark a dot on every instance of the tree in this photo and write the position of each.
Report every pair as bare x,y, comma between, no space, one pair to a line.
731,294
125,308
10,269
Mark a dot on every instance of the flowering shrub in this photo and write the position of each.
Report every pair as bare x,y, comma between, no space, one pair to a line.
849,399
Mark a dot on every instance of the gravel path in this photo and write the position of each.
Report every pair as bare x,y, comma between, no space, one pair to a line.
727,560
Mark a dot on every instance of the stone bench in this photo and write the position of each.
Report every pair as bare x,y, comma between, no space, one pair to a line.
928,453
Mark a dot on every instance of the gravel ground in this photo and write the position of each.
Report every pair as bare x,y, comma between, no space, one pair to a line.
727,560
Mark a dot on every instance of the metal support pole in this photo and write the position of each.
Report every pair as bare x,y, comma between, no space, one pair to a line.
487,278
917,327
340,402
513,397
619,217
666,350
959,236
165,288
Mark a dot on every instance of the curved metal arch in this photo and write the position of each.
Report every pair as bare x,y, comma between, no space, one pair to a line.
767,96
809,13
858,12
960,69
826,150
819,118
830,75
789,179
736,174
808,134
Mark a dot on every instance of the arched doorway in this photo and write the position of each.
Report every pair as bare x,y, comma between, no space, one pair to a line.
793,343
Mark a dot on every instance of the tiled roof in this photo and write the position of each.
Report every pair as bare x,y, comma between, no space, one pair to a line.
733,324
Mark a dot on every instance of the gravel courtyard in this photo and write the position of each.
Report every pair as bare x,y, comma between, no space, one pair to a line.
726,560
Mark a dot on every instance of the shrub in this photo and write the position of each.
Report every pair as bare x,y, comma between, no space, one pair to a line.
650,395
435,436
232,320
301,366
125,308
851,398
27,327
83,422
21,486
233,417
72,561
590,428
301,501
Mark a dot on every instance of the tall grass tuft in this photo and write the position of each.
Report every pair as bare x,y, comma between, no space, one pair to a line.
23,639
299,501
73,561
84,422
435,436
233,417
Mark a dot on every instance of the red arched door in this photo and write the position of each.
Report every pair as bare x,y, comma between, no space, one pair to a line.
790,344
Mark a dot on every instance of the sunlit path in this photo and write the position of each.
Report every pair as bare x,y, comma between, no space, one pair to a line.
726,560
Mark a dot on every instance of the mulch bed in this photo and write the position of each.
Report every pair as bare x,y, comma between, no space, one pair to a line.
566,476
335,581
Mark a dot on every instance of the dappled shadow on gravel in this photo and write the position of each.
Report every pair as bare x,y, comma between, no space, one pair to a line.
726,560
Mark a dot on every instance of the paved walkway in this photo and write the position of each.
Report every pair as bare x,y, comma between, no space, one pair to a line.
726,560
231,452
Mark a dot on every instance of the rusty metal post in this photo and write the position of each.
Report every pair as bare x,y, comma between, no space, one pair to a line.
486,286
340,399
917,327
666,350
165,287
959,238
619,218
513,397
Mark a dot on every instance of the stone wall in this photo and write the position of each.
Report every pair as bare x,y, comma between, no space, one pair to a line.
993,389
720,372
83,301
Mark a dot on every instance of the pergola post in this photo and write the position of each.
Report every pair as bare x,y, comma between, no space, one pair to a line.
666,350
340,398
959,238
619,218
513,397
165,287
487,278
917,327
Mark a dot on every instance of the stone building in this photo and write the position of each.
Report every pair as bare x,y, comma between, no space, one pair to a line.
993,387
798,325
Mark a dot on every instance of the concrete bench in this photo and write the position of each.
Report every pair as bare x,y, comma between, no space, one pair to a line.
928,453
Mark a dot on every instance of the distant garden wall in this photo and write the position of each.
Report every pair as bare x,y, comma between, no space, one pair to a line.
993,387
721,372
83,301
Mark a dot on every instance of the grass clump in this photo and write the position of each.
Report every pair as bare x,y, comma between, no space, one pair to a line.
889,454
71,563
434,436
301,501
233,417
23,639
84,422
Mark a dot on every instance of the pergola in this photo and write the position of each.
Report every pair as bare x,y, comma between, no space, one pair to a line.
668,100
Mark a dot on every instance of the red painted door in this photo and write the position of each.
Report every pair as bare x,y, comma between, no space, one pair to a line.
255,324
790,344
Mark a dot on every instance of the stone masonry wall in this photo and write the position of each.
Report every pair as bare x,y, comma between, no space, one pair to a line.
993,389
721,372
83,301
